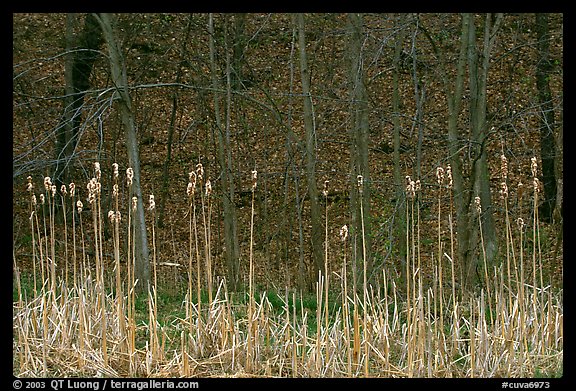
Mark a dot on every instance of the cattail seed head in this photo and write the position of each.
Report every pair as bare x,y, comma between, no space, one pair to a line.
417,186
200,171
191,184
42,199
208,188
152,203
536,185
504,166
449,175
72,189
97,171
478,204
325,190
34,202
504,190
190,189
534,166
360,183
118,216
520,222
111,215
29,186
440,175
129,175
63,190
53,190
115,190
134,203
344,233
47,183
410,187
115,168
254,179
79,205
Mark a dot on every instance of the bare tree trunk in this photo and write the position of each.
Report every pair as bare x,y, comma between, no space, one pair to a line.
478,73
359,152
225,159
119,78
316,217
78,68
399,218
547,123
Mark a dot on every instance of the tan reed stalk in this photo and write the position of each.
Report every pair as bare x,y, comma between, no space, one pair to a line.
63,194
345,306
50,192
251,333
326,277
440,179
72,193
191,192
365,285
410,195
479,212
472,334
32,213
535,233
79,207
154,341
119,294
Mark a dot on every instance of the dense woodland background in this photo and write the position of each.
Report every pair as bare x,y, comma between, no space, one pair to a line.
308,101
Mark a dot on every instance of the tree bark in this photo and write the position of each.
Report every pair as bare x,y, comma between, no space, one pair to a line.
547,122
119,78
315,213
359,132
225,159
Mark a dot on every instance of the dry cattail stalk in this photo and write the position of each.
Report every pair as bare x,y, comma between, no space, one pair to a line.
152,203
115,190
79,205
254,179
129,175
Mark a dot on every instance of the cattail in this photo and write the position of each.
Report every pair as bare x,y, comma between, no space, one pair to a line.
536,185
91,187
29,186
34,200
417,186
72,189
360,183
190,189
191,183
520,222
134,203
534,166
254,179
410,187
325,190
47,183
97,171
63,190
53,190
504,166
440,175
118,216
208,188
42,199
200,171
449,175
111,216
503,190
115,190
152,204
344,233
79,205
115,168
478,205
129,175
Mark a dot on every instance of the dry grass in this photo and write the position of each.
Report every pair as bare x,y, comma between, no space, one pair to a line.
89,325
